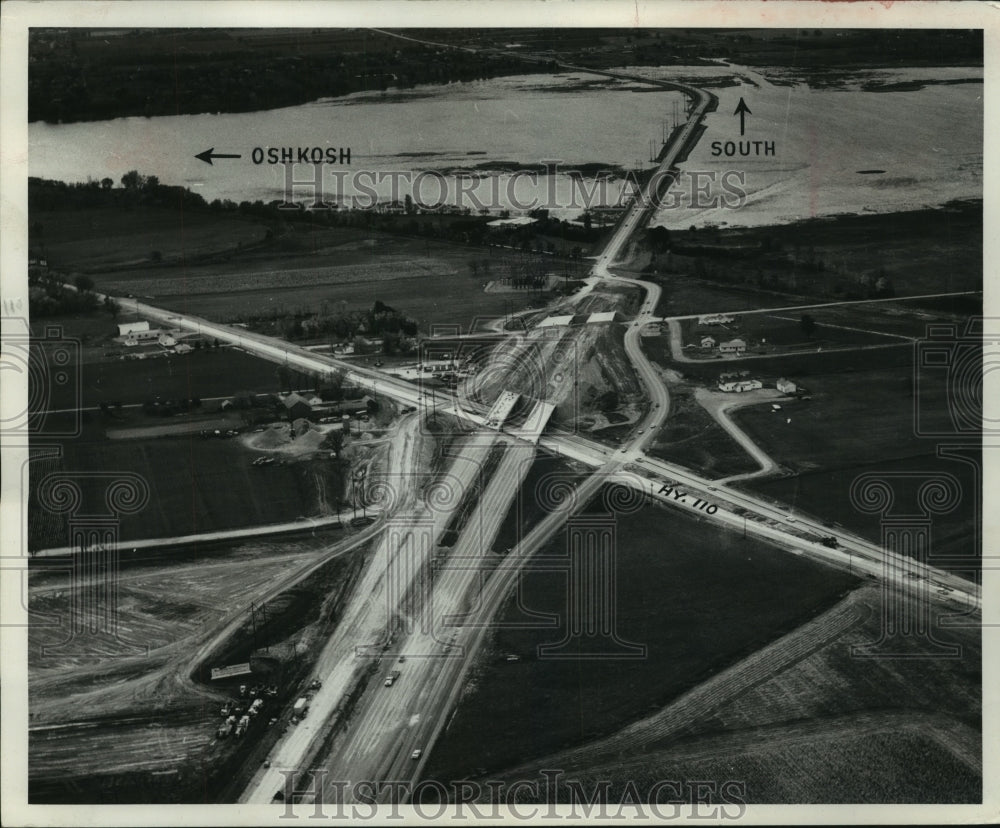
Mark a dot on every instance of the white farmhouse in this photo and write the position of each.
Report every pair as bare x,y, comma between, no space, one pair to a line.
733,346
739,386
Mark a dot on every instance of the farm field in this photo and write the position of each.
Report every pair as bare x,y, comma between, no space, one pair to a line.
685,590
110,237
921,252
195,485
345,269
805,719
904,762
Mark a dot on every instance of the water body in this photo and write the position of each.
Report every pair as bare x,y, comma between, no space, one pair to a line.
918,148
812,141
514,122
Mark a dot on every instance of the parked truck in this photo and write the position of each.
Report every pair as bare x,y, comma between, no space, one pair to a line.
299,710
391,678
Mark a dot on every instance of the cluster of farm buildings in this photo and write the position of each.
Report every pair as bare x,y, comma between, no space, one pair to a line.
741,381
132,334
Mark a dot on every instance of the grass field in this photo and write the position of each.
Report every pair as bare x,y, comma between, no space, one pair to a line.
781,332
858,423
692,438
696,596
795,366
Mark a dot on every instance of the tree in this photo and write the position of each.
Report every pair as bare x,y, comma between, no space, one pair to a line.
107,183
335,442
132,180
83,283
808,324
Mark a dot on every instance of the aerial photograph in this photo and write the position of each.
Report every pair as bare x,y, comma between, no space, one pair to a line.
503,418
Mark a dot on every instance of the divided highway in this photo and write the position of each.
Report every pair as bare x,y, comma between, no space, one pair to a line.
390,723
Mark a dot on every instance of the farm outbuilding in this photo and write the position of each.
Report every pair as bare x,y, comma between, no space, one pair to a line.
296,406
130,328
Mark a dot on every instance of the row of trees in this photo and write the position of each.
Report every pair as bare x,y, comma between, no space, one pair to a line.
70,84
380,320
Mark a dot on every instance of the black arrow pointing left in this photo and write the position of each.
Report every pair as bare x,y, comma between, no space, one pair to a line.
210,153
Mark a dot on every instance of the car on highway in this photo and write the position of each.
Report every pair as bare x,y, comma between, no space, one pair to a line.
417,752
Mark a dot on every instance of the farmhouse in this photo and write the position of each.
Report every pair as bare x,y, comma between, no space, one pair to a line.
715,319
733,346
708,342
740,386
786,386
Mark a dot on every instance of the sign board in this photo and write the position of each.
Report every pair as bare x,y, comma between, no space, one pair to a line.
230,671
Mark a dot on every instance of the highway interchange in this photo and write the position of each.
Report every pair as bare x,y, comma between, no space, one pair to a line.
391,731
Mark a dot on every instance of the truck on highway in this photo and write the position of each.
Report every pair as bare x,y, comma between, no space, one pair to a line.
391,678
299,710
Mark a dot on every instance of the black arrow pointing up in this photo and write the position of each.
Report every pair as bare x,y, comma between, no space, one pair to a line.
742,110
209,154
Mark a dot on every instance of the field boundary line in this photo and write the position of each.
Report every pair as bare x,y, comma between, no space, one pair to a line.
710,695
